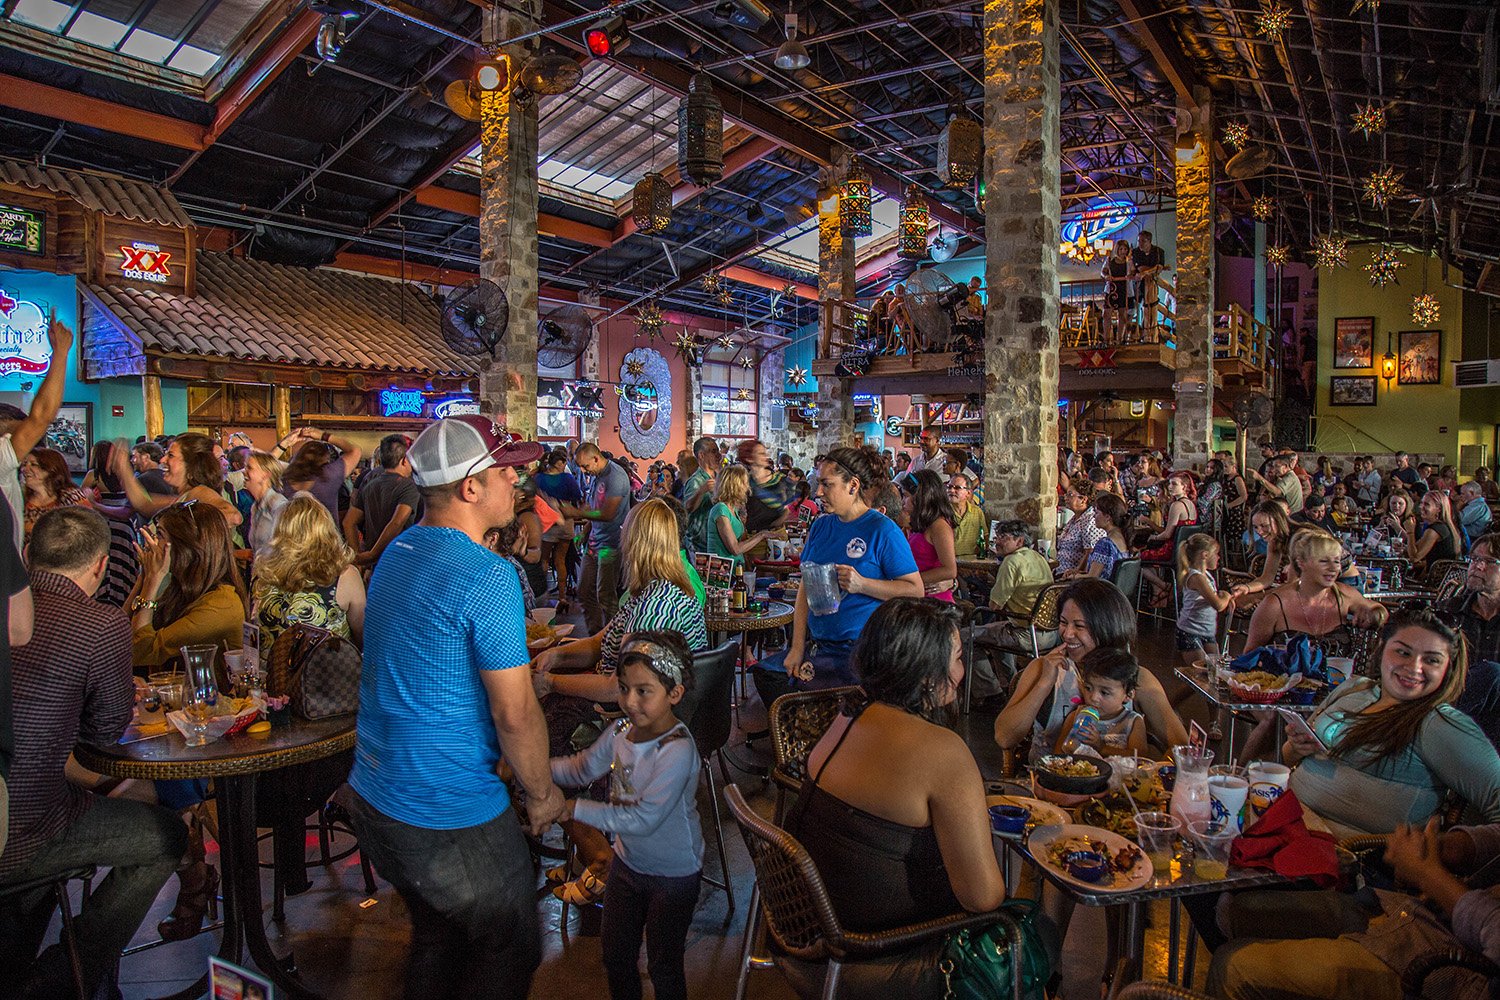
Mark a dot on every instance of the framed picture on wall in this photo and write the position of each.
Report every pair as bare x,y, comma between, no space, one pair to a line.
1420,352
1354,342
1351,390
72,434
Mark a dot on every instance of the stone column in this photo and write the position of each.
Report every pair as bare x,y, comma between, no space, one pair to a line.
771,375
1023,216
835,286
507,232
1192,442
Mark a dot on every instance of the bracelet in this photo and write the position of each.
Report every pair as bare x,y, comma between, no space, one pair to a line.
324,436
141,602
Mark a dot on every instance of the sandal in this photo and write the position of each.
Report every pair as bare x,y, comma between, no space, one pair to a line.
560,874
585,890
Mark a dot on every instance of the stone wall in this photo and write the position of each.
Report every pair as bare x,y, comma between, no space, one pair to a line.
1193,432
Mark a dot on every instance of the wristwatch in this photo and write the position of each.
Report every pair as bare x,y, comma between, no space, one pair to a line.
141,602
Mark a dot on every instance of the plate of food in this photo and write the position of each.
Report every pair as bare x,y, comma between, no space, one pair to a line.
1071,773
1260,687
1091,858
541,635
1042,813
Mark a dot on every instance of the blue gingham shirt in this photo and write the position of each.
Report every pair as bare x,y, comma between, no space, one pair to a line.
440,610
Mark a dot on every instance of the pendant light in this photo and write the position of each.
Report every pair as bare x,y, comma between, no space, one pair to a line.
792,54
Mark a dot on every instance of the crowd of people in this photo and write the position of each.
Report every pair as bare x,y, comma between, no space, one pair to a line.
430,557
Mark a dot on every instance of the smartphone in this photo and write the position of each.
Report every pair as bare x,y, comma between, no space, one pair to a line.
1297,724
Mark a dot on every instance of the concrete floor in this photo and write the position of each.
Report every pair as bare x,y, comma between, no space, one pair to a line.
349,950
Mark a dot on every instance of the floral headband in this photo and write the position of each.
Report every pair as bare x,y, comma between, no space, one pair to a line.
661,659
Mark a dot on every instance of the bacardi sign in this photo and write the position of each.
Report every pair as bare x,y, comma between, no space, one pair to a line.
145,262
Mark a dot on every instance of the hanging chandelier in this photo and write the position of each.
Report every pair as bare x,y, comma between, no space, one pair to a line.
915,220
959,149
1081,251
854,204
700,133
651,204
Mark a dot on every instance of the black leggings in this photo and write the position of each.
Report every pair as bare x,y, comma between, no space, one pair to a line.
657,907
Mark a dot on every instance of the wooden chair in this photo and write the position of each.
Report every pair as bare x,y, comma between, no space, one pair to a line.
798,722
799,916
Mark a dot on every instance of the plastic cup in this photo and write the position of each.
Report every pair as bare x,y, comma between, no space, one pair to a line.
821,581
1268,781
1156,832
1339,669
1211,843
1227,794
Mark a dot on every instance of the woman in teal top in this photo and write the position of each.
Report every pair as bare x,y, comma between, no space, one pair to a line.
1396,745
726,521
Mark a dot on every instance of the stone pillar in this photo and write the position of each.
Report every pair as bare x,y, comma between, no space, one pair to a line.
1192,442
507,232
156,419
771,375
1023,216
835,286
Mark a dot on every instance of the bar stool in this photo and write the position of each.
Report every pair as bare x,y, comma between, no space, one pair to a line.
57,886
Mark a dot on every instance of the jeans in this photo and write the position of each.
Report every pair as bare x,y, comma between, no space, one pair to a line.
470,893
831,668
599,588
142,846
661,907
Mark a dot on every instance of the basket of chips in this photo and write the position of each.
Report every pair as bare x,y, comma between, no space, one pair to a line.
1261,687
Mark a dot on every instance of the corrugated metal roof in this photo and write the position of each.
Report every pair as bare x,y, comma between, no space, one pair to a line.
111,195
254,311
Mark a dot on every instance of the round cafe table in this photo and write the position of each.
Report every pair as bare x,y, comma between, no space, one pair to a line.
778,614
233,763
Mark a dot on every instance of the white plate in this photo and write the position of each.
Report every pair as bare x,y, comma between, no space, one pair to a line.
1042,813
559,632
1044,837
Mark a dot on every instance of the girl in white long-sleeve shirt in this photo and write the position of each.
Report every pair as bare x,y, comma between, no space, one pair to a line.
652,763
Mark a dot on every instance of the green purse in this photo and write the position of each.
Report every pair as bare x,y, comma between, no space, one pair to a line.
976,964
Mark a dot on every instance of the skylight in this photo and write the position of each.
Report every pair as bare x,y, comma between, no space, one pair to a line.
801,242
188,36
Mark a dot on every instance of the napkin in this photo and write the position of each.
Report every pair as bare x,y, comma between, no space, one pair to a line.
1299,657
1281,842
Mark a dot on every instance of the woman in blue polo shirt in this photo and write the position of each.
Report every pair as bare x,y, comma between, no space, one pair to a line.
874,564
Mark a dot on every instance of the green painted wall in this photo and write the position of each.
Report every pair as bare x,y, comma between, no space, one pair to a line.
1429,419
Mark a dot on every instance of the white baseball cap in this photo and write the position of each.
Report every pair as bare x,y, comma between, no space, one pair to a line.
458,447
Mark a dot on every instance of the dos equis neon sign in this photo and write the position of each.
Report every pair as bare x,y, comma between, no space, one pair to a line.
145,262
1101,217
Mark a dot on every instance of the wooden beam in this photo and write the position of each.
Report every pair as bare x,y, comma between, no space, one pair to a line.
385,267
260,74
760,279
1149,26
461,203
747,153
69,106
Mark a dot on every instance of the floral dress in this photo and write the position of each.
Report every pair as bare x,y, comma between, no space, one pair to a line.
278,610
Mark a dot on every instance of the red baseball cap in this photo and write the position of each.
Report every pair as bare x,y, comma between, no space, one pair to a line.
458,447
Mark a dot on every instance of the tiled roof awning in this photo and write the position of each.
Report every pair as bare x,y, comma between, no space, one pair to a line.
248,310
110,195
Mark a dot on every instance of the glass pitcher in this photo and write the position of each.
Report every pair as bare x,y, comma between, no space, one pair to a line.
200,691
1190,798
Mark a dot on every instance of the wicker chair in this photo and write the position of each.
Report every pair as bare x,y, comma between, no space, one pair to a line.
1438,571
799,915
798,722
1414,977
1450,583
1159,991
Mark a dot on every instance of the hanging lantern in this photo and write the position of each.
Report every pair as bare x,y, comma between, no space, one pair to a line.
649,319
1384,264
1330,251
959,149
700,133
915,221
1278,256
651,204
1425,309
854,204
1263,208
1382,186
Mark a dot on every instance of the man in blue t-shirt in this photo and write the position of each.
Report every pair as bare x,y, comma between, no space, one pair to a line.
604,508
445,691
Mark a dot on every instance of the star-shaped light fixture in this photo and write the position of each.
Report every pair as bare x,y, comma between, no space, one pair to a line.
1272,21
649,318
711,282
1382,186
1278,257
742,395
1425,309
725,341
748,362
725,295
1236,134
1369,119
796,375
635,369
1263,207
687,348
1330,251
1384,264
